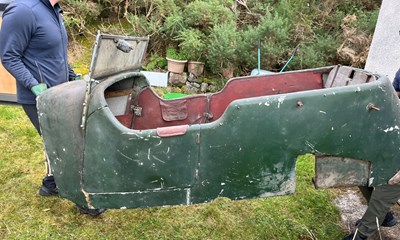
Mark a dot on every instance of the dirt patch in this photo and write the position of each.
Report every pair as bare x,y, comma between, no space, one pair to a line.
352,207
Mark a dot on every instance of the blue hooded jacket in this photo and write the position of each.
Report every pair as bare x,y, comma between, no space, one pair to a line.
396,81
34,46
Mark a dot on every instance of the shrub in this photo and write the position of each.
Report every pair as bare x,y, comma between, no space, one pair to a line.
223,42
141,26
78,14
228,31
367,21
173,53
247,49
193,44
155,62
273,31
173,25
317,53
206,14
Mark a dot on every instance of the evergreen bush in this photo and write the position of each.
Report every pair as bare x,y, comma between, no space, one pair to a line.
228,31
193,44
80,13
223,43
206,14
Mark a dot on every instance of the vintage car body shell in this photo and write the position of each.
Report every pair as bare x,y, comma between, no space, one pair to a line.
241,142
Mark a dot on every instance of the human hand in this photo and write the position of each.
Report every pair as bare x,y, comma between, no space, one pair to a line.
38,89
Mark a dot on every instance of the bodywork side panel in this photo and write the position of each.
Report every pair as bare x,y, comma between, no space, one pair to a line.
132,166
121,160
264,85
255,144
60,115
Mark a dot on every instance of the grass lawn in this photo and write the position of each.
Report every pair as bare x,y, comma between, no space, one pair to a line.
309,214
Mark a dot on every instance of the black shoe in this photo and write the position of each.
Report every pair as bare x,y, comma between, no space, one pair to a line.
48,187
44,191
92,212
389,221
351,237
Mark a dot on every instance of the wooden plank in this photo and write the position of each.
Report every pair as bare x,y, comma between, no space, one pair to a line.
342,76
331,77
359,78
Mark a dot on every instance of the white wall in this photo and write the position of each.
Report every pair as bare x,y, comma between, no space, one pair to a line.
384,53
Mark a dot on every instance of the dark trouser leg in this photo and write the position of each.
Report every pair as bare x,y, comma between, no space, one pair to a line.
31,112
366,192
382,198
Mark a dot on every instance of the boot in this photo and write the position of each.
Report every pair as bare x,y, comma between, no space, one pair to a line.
48,187
389,221
92,212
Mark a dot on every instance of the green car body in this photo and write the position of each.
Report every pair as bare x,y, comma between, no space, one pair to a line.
108,149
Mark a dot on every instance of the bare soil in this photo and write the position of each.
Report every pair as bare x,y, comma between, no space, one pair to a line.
352,206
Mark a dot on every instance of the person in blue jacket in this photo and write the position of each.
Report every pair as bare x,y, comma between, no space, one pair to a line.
34,49
396,82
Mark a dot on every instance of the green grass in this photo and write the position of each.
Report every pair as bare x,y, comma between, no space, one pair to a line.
309,214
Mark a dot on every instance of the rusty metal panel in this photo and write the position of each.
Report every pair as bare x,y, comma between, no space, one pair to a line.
114,54
331,171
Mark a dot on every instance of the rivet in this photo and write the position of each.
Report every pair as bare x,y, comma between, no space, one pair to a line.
299,103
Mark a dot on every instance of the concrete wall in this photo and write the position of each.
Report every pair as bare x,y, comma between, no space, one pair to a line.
384,53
